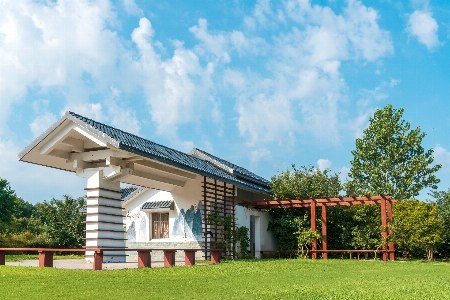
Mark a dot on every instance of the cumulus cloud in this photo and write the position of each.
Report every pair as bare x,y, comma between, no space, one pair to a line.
323,164
263,119
424,27
177,88
132,8
442,156
304,67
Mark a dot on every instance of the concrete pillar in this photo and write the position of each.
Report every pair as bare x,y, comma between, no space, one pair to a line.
104,219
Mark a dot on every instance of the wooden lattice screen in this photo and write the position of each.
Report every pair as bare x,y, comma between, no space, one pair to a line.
217,197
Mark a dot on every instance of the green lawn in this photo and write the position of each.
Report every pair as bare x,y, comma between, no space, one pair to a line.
20,257
253,279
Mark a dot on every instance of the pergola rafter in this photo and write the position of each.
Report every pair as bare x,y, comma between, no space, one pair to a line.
385,203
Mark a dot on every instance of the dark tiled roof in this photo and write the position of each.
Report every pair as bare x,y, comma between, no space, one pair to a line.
129,192
158,204
83,209
237,170
140,146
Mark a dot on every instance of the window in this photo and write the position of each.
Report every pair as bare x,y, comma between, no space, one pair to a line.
160,225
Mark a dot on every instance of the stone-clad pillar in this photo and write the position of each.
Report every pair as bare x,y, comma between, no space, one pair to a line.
104,219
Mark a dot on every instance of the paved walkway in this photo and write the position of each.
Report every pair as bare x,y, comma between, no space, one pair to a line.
82,264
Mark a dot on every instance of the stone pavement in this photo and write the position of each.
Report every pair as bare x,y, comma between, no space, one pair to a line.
82,264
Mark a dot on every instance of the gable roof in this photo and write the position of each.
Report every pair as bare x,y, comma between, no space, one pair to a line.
158,204
148,149
229,167
130,191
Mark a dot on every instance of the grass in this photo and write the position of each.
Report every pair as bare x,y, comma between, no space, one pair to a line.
252,279
20,257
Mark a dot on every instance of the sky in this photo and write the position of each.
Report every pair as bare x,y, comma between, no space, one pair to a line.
263,84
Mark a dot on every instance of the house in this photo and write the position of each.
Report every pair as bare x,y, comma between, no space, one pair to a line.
165,198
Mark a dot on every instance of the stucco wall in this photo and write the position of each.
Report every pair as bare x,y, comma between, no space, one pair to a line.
264,239
186,200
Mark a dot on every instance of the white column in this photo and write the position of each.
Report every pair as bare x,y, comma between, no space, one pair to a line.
104,219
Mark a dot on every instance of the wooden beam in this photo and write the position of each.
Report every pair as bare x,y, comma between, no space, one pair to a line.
383,225
158,178
52,143
76,144
313,227
164,168
98,155
390,232
324,232
59,153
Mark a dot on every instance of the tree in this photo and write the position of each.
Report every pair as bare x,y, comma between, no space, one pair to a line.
442,199
7,197
63,221
418,229
389,158
304,183
23,217
291,227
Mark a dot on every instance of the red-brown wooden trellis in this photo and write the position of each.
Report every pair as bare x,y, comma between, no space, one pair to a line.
384,201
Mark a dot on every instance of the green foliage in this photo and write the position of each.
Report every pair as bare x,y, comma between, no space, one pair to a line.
443,204
305,182
231,235
24,217
365,227
418,228
242,237
25,239
291,227
241,279
390,159
305,237
7,197
225,226
63,221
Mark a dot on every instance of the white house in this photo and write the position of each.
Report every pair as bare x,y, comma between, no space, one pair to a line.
167,198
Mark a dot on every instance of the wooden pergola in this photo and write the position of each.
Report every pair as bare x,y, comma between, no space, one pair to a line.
384,201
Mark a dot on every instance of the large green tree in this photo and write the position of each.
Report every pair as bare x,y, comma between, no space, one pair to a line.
442,199
389,158
291,227
63,221
418,228
7,197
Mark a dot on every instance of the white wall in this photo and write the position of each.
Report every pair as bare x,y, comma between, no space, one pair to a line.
184,198
264,240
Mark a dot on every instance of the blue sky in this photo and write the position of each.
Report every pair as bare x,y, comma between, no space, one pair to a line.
263,84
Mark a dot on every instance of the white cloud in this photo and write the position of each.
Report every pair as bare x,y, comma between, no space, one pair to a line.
304,67
60,43
424,27
442,156
132,8
36,179
258,154
343,174
323,164
265,119
177,88
41,123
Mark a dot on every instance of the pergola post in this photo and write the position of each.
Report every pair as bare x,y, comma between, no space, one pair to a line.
324,232
313,228
389,221
383,225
